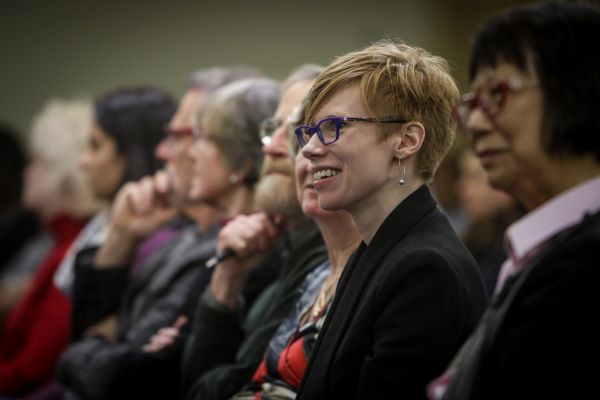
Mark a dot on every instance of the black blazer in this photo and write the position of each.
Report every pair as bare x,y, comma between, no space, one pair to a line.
538,339
403,307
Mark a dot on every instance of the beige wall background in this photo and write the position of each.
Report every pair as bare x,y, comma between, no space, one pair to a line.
82,48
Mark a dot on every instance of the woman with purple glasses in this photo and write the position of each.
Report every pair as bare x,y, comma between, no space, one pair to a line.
378,122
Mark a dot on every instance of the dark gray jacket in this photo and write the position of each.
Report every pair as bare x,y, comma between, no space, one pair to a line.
169,283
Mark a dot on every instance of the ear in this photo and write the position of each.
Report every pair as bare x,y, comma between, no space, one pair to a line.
410,140
243,172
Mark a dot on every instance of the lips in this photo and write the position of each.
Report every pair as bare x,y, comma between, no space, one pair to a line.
489,152
325,173
488,157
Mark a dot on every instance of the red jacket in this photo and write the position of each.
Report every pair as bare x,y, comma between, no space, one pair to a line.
36,330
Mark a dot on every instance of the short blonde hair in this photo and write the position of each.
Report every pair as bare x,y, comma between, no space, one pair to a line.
396,81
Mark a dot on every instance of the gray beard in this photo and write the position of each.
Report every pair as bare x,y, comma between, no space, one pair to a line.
277,194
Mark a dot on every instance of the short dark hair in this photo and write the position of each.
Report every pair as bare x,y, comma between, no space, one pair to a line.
561,41
136,118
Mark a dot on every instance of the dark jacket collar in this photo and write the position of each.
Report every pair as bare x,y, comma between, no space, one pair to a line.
354,278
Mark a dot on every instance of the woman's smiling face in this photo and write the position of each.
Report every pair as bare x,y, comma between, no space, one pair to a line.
352,170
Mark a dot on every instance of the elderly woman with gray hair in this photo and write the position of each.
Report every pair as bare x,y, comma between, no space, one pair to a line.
227,152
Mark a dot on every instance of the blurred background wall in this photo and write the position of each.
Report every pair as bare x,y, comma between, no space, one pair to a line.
82,48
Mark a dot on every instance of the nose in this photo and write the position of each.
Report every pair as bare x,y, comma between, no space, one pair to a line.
478,124
278,146
163,150
313,148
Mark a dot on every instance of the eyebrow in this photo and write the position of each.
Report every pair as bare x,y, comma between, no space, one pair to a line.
335,115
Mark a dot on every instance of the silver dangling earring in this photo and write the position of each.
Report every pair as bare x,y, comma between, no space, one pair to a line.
233,178
403,175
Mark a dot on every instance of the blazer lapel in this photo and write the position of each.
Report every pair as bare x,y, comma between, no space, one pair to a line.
360,270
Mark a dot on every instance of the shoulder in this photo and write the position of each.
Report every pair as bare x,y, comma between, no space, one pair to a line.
430,243
431,255
568,268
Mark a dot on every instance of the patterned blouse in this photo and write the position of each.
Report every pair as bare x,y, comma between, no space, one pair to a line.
285,360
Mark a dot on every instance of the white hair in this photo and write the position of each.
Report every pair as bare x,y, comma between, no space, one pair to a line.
59,134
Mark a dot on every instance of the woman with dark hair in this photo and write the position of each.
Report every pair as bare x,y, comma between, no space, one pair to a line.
532,119
128,124
134,119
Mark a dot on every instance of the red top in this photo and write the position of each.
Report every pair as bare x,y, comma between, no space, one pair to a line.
36,330
293,358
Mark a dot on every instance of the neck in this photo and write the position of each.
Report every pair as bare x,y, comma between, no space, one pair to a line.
339,246
204,215
370,213
560,176
237,201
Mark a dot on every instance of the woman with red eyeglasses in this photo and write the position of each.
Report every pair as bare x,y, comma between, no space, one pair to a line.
532,120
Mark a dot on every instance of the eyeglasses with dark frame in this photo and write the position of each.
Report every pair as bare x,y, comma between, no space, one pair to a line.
328,129
491,99
267,128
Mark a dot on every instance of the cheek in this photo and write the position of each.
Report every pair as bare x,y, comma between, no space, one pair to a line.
183,165
84,160
118,167
99,161
209,172
298,191
185,156
200,164
42,184
368,169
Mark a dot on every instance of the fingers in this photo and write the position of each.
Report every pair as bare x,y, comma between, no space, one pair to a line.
149,193
159,342
165,337
180,322
163,188
247,235
162,182
142,207
143,195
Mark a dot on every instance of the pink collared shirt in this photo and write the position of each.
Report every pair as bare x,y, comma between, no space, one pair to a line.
525,237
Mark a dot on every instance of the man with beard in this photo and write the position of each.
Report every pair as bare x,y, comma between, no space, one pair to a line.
225,348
